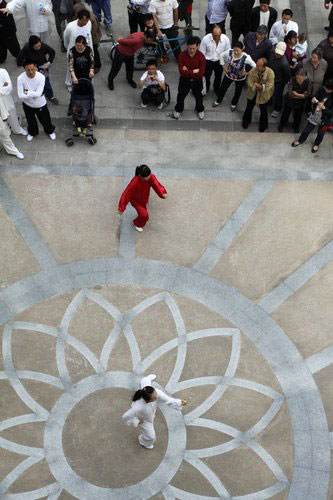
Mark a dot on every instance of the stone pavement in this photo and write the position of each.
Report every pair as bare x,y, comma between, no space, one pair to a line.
226,296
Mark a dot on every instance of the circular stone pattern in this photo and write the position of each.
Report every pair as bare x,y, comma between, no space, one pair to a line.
80,487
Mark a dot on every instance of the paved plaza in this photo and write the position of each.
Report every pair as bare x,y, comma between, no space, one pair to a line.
226,296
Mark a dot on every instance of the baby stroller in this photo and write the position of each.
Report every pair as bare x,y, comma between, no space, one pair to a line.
82,110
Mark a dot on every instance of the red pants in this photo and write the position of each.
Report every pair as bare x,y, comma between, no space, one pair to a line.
142,217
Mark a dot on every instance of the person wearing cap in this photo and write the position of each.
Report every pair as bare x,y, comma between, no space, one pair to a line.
263,15
278,62
260,83
281,28
240,12
257,45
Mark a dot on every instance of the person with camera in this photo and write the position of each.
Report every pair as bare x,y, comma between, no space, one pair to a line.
153,84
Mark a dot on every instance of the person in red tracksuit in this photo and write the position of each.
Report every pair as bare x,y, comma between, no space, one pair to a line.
137,194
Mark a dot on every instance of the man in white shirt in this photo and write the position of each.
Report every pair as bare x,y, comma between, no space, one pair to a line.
153,84
212,46
137,9
165,14
8,101
216,14
281,28
37,14
30,89
5,139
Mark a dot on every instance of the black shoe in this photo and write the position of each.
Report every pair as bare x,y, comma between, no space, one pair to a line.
132,84
245,124
54,100
111,86
280,128
262,128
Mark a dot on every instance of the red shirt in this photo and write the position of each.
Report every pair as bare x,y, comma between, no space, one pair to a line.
196,62
138,191
129,45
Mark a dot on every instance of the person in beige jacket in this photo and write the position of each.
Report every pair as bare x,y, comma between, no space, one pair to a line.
260,82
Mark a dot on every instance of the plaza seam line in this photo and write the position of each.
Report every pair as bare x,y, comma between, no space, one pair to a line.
25,227
127,234
312,439
297,279
174,172
320,360
233,226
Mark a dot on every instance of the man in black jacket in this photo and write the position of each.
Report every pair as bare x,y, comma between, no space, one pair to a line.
8,39
278,62
264,14
330,17
240,11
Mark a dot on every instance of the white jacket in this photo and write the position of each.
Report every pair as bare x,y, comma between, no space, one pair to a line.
5,92
36,22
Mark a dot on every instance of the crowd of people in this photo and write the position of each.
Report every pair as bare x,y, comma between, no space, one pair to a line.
266,55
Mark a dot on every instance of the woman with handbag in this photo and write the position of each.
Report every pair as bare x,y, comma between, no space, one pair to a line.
137,194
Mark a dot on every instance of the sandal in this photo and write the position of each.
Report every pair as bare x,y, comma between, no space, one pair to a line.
314,149
295,144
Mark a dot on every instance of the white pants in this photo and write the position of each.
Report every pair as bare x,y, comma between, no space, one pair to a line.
44,36
13,121
148,436
5,139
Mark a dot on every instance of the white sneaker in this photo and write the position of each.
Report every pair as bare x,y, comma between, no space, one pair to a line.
201,115
233,107
175,115
139,229
141,444
29,137
143,105
275,114
20,156
23,131
52,136
160,106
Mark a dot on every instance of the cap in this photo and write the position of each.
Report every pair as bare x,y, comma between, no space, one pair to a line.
280,48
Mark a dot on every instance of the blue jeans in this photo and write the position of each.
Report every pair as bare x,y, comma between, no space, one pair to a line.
48,90
104,6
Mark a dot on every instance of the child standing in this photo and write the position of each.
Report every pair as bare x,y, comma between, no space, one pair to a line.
137,194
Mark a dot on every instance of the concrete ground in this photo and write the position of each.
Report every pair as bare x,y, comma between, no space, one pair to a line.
226,297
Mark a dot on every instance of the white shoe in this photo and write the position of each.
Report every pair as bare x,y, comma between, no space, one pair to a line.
141,444
20,156
29,137
143,105
175,115
23,131
140,229
233,107
52,136
275,114
201,115
160,106
152,377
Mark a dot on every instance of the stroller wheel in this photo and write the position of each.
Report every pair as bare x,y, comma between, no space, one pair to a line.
92,141
69,142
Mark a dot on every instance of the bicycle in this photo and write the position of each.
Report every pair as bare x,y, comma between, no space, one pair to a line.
156,50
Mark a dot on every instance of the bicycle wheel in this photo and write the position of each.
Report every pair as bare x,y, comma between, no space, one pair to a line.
142,56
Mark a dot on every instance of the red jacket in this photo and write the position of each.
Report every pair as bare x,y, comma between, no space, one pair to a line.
196,62
138,192
129,45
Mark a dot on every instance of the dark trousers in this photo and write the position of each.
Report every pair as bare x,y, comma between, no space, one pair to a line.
117,62
263,120
210,26
135,20
218,70
307,130
184,87
147,96
60,23
237,33
278,96
226,82
9,43
43,116
330,18
97,58
174,44
297,116
48,90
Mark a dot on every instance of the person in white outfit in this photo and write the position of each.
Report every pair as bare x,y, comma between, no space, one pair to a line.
5,139
37,14
281,28
143,410
7,99
80,27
